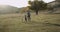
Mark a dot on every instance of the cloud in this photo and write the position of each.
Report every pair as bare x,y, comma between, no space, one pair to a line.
18,3
47,1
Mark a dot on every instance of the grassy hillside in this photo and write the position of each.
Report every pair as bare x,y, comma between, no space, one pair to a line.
5,9
38,23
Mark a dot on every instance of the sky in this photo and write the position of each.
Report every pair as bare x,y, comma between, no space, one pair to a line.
18,3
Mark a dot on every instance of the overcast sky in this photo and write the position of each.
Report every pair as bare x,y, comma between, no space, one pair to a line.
18,3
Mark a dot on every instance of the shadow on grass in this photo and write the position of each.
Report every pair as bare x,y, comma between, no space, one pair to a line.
53,24
44,23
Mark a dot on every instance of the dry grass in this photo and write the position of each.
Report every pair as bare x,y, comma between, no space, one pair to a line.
38,23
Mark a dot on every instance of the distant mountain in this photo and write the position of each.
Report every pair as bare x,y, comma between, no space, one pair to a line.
23,9
8,9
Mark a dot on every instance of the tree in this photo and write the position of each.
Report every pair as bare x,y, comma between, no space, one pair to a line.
37,5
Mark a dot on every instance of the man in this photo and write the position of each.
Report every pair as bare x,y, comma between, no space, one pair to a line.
28,15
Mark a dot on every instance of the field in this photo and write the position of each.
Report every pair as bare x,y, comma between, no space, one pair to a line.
38,23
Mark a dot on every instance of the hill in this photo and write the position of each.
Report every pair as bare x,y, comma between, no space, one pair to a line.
8,9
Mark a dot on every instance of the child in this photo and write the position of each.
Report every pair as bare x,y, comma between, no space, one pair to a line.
26,18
